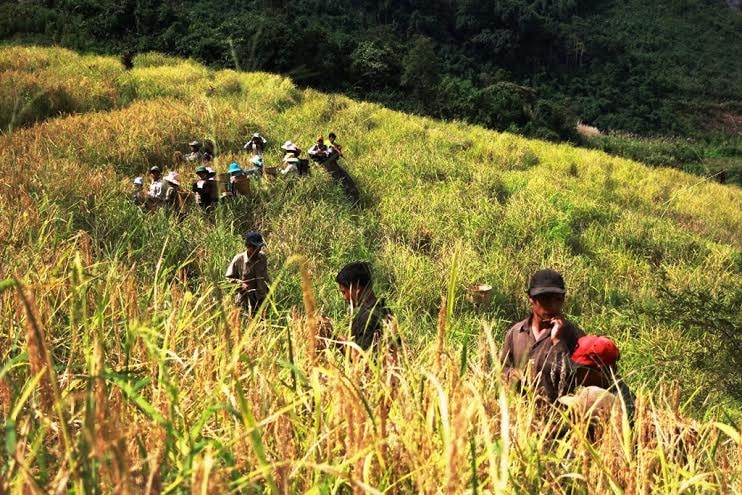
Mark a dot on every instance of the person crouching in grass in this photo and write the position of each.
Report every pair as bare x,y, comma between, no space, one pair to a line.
369,314
598,385
250,270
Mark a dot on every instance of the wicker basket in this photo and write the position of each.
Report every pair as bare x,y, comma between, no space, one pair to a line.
480,294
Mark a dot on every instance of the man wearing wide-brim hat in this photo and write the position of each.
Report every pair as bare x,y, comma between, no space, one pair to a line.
291,160
171,196
250,269
537,350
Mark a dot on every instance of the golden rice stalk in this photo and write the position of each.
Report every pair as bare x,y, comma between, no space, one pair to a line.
37,350
312,323
441,339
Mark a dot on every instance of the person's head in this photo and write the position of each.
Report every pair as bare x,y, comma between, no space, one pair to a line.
211,172
594,359
332,137
195,145
207,158
138,183
155,172
256,138
202,172
177,158
253,242
546,292
320,140
353,280
234,169
173,178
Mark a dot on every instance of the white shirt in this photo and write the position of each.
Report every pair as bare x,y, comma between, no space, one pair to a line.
157,189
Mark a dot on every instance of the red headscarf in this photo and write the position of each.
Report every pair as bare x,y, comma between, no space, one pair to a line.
595,350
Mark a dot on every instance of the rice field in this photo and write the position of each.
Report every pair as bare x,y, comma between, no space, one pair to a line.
125,368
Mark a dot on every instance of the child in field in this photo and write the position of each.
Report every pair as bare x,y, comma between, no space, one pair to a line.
250,270
369,314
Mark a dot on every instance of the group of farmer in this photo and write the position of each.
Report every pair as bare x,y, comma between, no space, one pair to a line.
166,191
545,351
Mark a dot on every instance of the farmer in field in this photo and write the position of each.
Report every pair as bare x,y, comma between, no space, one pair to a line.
137,194
595,378
257,166
335,148
537,350
195,154
369,314
256,145
319,152
172,198
205,189
290,163
157,188
250,270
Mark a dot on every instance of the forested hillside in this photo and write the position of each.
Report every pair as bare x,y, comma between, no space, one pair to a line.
664,67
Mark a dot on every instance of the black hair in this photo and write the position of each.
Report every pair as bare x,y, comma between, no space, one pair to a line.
357,274
331,135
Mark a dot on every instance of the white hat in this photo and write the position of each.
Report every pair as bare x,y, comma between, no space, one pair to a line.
173,177
194,143
210,170
139,181
257,134
289,146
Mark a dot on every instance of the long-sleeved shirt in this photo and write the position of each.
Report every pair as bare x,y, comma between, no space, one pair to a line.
550,363
157,190
319,152
368,321
253,270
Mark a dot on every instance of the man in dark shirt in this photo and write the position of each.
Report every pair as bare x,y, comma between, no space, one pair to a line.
205,189
369,313
543,342
250,270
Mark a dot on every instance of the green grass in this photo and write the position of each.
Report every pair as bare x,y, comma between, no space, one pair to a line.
155,370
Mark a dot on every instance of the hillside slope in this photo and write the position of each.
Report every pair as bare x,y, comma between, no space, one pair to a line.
662,67
136,316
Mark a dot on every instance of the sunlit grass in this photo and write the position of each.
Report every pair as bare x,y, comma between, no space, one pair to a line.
160,385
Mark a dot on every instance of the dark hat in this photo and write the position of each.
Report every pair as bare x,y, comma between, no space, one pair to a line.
254,239
546,282
201,170
154,169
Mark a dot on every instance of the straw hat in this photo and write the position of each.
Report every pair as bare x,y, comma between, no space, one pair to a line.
139,181
289,146
173,178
